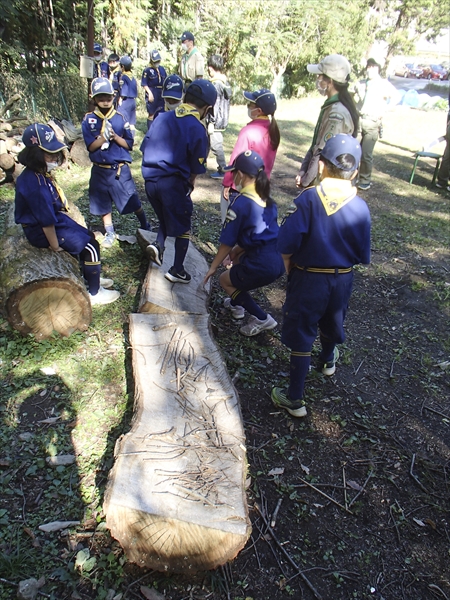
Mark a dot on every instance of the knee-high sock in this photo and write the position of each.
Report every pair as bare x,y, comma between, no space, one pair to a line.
327,352
140,213
299,367
244,299
181,248
90,263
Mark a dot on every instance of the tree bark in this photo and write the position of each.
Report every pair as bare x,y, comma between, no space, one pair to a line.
41,291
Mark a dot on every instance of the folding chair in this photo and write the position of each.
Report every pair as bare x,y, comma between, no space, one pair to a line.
425,153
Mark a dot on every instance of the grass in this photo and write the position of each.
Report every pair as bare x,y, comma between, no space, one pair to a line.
84,382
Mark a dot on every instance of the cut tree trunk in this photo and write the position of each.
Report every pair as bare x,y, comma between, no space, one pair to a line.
41,291
158,294
176,497
79,154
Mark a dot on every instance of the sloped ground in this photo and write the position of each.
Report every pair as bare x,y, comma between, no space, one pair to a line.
351,502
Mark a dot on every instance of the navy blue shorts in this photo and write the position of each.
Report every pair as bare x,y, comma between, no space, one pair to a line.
257,268
170,198
312,300
104,189
71,236
128,109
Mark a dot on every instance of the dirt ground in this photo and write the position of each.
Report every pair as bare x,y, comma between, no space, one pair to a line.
351,502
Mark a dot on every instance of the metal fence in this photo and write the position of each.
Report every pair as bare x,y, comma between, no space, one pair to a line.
45,96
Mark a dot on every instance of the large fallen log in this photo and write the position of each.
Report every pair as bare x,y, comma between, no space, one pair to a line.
176,498
41,291
158,295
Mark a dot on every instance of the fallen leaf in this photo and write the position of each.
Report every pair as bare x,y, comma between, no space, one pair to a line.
61,459
4,462
151,593
277,471
305,469
50,420
419,522
354,486
431,523
57,525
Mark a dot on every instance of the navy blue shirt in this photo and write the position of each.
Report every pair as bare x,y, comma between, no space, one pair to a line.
327,227
176,144
92,126
249,222
153,77
37,202
128,86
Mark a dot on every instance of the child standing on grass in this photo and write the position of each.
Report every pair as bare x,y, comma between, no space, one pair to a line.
174,153
128,92
41,208
108,138
261,135
152,81
249,237
326,233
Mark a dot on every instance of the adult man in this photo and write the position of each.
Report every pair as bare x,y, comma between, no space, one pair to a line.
192,62
444,170
218,123
372,96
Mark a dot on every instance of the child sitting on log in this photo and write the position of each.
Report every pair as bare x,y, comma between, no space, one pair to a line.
249,237
42,210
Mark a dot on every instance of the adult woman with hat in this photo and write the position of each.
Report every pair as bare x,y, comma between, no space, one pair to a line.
338,113
260,135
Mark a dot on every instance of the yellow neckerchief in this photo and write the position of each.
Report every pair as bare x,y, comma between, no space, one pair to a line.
219,77
59,191
335,193
109,115
262,117
250,191
184,110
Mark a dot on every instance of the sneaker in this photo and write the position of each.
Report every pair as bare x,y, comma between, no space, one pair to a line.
217,175
175,277
104,297
155,253
237,312
108,240
364,186
255,326
329,368
106,283
442,186
280,400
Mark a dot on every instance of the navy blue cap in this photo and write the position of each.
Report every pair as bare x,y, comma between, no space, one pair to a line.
43,137
342,143
264,99
172,87
101,85
126,61
98,47
155,56
249,162
187,35
203,90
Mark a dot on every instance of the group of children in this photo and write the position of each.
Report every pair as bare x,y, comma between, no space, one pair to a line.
324,234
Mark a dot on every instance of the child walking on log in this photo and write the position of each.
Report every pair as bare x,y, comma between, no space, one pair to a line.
249,237
41,208
325,233
109,140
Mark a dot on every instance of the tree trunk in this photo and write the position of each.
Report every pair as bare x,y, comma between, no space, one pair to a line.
41,291
176,497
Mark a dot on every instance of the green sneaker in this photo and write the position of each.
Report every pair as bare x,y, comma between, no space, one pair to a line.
280,400
329,368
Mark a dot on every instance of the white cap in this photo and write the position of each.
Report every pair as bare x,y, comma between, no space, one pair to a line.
334,66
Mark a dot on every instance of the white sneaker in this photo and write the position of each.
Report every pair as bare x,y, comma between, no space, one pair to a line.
108,240
255,326
237,312
104,297
106,283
